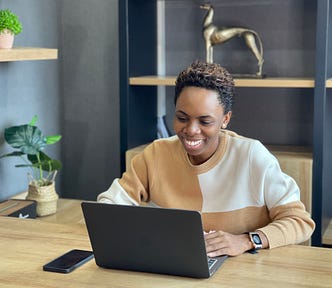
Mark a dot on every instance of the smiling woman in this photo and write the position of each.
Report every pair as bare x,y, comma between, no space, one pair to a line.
200,113
246,201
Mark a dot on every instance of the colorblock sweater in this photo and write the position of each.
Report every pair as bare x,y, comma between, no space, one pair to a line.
241,188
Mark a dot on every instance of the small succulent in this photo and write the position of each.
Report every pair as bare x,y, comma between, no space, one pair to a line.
9,21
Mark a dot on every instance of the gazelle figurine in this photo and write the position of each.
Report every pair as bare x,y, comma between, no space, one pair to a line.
214,35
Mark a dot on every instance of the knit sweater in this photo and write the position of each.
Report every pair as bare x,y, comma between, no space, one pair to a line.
240,188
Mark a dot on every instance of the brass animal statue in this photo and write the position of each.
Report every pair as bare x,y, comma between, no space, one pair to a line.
214,35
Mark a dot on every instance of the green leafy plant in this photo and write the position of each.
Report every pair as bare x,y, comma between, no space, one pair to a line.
9,21
30,142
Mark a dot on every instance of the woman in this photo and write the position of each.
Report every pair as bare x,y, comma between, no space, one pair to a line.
245,199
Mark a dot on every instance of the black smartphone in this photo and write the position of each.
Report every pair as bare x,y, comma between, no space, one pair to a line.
68,261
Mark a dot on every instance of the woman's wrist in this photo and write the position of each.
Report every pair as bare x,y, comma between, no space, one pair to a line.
255,242
248,245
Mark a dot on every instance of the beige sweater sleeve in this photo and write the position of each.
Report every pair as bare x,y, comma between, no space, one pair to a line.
291,224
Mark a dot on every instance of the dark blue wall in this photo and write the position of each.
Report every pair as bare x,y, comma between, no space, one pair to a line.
29,87
76,95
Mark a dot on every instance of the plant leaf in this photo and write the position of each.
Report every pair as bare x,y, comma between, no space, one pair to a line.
29,139
47,164
33,120
15,153
23,165
56,165
52,139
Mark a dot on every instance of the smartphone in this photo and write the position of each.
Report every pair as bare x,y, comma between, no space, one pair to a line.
68,261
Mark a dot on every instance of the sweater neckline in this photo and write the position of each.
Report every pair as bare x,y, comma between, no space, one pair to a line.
214,159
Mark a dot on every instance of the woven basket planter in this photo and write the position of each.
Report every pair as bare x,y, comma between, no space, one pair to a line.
46,198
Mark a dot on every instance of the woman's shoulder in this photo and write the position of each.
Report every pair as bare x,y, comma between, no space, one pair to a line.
163,145
239,140
248,145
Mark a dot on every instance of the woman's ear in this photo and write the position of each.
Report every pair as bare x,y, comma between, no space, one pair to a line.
227,118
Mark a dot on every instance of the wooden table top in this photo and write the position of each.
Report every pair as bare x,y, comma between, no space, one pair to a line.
27,244
69,211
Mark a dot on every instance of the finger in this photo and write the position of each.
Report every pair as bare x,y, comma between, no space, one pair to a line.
216,250
213,234
217,253
214,244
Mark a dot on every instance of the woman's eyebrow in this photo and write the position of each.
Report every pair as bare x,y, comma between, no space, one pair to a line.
199,117
182,112
206,116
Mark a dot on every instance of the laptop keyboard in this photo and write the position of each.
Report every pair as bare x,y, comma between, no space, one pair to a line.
211,262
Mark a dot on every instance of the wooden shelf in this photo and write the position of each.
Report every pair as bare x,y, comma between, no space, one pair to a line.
152,80
239,82
245,82
329,83
27,53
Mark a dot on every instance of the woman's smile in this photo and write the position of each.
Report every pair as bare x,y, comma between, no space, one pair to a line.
193,144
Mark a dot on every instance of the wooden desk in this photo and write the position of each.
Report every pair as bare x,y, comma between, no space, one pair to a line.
27,244
69,211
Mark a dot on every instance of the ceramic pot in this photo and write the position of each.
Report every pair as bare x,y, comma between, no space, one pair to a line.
6,39
45,197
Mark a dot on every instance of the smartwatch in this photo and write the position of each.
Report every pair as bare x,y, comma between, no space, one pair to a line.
256,240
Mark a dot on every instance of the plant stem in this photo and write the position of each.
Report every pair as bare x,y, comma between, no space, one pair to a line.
40,166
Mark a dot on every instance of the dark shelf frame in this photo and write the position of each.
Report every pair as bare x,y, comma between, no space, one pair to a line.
138,57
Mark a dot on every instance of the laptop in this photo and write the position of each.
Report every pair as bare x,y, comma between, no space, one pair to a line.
149,239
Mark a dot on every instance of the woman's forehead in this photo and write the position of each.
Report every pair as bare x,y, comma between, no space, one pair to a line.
199,102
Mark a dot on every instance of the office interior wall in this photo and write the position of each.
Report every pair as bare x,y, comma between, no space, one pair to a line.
29,88
90,91
76,95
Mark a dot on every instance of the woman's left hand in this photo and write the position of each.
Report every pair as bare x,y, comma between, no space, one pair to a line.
222,243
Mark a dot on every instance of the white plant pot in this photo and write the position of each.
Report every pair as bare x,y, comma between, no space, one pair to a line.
6,39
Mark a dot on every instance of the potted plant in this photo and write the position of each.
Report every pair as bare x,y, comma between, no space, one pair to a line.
30,143
9,27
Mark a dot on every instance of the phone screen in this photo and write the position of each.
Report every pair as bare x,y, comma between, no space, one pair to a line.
68,261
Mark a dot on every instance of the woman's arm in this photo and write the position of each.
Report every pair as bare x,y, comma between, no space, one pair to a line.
116,195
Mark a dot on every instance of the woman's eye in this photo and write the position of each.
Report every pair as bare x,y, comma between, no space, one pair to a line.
181,119
206,123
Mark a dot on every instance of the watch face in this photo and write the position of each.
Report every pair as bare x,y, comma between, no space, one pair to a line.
256,239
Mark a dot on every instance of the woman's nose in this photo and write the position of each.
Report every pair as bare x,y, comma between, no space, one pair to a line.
192,128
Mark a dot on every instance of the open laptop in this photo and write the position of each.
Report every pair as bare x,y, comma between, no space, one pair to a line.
149,239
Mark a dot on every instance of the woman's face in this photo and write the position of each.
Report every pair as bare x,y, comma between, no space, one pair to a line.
197,122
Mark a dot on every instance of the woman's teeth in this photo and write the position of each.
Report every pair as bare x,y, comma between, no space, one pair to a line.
193,143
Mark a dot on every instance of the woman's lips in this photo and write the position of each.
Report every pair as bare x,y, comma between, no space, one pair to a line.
193,144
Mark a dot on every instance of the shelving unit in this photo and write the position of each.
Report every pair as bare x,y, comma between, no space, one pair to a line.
139,81
27,53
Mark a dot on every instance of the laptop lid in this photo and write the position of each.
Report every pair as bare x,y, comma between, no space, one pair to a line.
148,239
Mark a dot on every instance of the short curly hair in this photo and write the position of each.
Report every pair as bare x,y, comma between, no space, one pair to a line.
210,76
